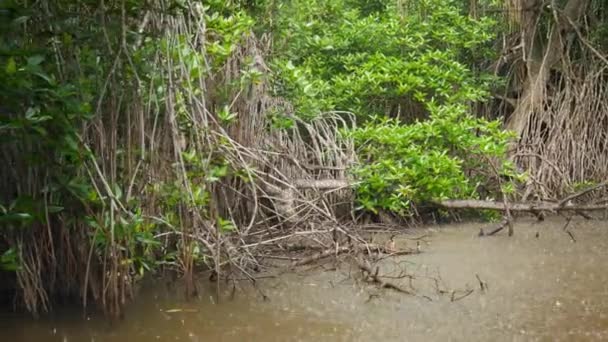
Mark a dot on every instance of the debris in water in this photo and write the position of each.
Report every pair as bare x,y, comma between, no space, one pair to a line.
180,310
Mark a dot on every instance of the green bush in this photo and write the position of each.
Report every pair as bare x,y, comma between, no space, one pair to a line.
405,72
339,55
444,157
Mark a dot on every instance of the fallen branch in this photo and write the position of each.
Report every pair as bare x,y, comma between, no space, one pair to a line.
525,207
563,205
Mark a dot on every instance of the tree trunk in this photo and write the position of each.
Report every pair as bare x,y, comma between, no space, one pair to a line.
540,57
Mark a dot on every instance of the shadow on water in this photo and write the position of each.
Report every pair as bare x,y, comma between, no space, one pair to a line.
543,288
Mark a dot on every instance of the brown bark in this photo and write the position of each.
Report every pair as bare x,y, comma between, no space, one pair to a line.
541,57
525,207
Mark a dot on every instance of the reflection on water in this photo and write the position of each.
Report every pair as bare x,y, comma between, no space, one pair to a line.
547,288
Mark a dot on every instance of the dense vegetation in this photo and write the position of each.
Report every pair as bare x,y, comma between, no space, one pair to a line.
146,135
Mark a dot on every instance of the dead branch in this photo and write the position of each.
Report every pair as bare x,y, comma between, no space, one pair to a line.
466,294
500,227
375,278
571,235
483,286
523,207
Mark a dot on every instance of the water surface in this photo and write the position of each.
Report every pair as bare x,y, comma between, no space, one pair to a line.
545,288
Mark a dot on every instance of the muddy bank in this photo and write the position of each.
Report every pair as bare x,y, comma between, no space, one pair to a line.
538,288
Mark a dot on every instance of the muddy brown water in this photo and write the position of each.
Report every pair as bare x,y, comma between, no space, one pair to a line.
548,288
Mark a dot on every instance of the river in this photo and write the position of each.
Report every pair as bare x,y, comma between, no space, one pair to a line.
542,285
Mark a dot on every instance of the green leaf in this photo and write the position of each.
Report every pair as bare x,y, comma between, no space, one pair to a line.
226,116
54,209
9,260
18,217
226,226
47,78
117,191
31,113
11,66
35,60
20,20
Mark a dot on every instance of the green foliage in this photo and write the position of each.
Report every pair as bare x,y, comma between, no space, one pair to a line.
490,215
390,66
40,117
430,160
599,36
55,81
227,24
9,260
24,211
579,186
343,55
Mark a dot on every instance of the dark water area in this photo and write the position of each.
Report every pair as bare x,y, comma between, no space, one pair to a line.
545,288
